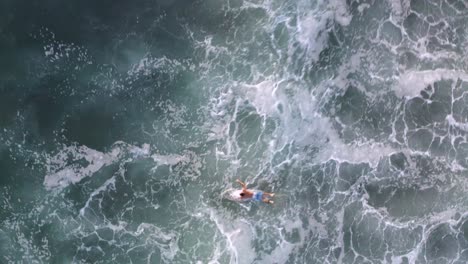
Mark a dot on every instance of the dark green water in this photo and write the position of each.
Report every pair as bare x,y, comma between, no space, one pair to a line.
123,122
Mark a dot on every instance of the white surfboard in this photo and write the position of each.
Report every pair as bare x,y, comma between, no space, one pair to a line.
234,195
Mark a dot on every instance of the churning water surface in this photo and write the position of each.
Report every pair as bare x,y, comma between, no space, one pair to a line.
122,123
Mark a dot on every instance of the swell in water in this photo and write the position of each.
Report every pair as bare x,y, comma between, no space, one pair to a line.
123,123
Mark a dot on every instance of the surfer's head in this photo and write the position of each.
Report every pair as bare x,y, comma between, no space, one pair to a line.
242,194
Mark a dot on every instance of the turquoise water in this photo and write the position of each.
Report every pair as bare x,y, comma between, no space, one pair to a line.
122,123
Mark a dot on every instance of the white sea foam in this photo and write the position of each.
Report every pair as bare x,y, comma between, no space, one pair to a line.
399,8
66,167
60,173
313,26
238,236
356,153
110,183
460,125
264,97
166,241
312,33
285,248
304,126
341,12
411,83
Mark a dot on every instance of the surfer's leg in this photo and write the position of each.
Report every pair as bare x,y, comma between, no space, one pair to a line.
269,194
265,200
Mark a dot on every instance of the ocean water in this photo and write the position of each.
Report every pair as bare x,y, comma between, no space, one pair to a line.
123,122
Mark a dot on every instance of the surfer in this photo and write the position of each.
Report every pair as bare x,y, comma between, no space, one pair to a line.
255,195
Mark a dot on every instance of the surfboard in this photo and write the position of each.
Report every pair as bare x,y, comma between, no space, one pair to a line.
234,195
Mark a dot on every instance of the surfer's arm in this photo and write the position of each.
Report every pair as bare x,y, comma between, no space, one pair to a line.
244,186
